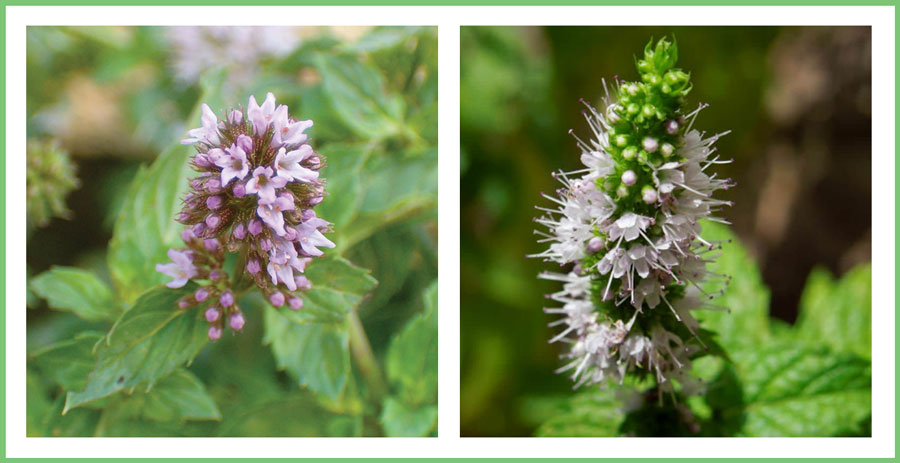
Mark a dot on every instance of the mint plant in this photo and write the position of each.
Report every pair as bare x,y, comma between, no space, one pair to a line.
306,254
651,316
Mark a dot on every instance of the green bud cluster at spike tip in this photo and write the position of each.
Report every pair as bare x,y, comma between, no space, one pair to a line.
625,231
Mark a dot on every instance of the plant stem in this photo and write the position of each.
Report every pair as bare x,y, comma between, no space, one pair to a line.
362,354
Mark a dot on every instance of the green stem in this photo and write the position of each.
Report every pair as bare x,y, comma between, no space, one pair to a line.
364,358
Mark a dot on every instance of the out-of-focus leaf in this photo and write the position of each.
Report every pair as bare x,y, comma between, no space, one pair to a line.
398,420
317,355
295,415
37,402
393,190
147,342
77,291
146,228
411,361
358,94
838,313
590,414
746,323
179,396
338,286
77,423
342,170
381,38
69,362
792,390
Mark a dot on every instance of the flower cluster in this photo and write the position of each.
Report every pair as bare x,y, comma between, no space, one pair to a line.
257,186
626,230
49,177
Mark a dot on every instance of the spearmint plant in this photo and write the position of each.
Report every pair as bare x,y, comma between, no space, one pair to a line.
258,184
264,276
626,229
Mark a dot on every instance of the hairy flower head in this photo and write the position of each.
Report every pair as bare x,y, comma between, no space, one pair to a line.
257,186
626,230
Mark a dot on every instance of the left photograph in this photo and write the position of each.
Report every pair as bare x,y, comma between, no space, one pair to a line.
231,231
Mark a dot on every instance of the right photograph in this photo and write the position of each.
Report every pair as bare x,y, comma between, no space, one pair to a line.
666,231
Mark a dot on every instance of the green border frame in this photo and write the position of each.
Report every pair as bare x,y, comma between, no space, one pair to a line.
5,3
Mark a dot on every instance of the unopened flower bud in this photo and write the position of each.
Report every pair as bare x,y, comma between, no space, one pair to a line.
212,221
650,144
245,143
236,321
214,202
255,227
212,314
214,332
235,117
211,244
672,127
253,266
239,190
239,231
629,177
226,299
594,245
277,299
295,303
667,149
648,194
302,283
201,294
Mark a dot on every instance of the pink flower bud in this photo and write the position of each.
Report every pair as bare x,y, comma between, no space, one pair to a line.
239,231
277,299
253,266
235,117
201,294
214,332
255,227
594,245
211,244
245,143
295,303
239,190
212,221
236,321
226,299
212,314
214,202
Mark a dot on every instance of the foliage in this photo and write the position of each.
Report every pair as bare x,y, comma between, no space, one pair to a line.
121,359
812,379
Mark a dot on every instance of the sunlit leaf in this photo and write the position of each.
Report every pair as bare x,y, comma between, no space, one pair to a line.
838,313
78,291
399,420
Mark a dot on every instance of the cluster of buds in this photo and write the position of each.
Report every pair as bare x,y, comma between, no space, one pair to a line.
49,177
626,230
257,186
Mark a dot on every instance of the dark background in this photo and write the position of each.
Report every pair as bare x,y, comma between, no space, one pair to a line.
798,103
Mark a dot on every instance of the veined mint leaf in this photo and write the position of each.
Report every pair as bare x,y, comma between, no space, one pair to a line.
77,291
69,362
147,342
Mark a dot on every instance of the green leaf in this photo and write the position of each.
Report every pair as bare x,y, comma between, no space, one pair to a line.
358,94
792,390
291,415
398,420
338,286
393,189
384,37
746,324
147,342
179,396
69,362
411,362
838,313
317,355
146,228
589,414
342,170
76,423
78,291
38,402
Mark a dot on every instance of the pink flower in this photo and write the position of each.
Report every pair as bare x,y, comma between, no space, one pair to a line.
181,268
287,132
271,213
261,116
233,163
287,164
263,183
208,132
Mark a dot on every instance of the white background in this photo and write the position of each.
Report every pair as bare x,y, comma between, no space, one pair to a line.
449,443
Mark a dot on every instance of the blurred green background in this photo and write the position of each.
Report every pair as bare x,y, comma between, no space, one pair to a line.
797,100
